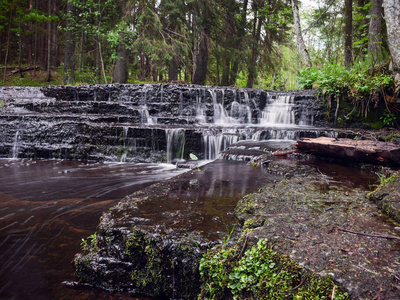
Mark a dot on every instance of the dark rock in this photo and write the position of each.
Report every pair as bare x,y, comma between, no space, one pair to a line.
110,122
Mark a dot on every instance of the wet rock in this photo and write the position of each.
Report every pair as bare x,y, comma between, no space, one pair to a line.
127,255
152,241
132,122
387,195
306,217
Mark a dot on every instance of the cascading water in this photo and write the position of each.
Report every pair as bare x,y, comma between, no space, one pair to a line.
175,144
15,147
280,111
101,122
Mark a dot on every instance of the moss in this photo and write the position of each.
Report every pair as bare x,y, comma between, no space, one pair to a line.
259,273
254,222
163,268
245,207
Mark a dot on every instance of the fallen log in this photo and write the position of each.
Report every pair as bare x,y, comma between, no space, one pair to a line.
22,70
355,150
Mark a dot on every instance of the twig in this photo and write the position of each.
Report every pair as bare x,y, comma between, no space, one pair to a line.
377,235
301,283
244,246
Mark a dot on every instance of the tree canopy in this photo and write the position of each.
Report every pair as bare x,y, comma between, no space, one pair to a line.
225,42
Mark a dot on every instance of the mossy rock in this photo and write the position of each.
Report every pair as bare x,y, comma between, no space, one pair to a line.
387,196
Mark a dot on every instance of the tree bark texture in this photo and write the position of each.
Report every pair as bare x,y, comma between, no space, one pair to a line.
200,74
173,68
48,77
392,18
121,74
348,32
69,51
374,32
300,42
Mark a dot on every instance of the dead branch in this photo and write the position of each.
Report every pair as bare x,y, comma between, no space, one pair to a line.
376,235
22,70
301,283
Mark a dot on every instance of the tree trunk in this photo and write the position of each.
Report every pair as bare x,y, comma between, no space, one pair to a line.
252,66
69,51
7,50
392,18
173,68
228,44
200,74
348,32
300,42
48,77
121,74
374,34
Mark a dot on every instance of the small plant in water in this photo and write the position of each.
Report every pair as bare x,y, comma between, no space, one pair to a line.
93,244
384,176
195,158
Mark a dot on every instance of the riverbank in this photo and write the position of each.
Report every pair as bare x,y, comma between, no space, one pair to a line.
320,237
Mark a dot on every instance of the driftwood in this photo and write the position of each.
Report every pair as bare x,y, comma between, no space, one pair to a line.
21,70
355,150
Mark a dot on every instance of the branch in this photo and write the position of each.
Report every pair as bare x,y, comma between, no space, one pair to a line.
376,235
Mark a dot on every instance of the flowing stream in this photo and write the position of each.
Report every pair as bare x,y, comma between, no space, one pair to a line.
47,206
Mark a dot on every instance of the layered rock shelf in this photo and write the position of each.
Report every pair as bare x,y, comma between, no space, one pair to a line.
148,123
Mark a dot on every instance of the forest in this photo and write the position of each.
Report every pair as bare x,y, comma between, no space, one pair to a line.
335,45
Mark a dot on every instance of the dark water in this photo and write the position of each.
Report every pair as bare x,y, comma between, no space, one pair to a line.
47,207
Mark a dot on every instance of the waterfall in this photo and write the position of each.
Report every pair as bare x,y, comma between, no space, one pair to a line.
15,147
146,119
221,116
96,121
125,130
175,143
214,144
280,111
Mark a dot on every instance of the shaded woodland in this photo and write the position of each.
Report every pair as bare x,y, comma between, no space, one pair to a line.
259,43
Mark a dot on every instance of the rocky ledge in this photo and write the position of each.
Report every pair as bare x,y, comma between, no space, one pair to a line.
330,230
304,236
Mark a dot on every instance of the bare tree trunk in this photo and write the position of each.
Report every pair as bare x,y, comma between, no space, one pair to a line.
392,18
99,43
374,33
48,77
121,68
200,74
300,42
173,68
348,32
69,72
7,50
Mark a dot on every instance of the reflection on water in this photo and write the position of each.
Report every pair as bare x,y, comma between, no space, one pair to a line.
46,208
203,201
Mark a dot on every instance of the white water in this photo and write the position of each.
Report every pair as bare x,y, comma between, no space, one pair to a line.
15,148
175,143
281,111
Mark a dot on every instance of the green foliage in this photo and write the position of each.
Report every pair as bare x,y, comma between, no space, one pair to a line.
361,83
385,176
388,120
93,242
261,273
